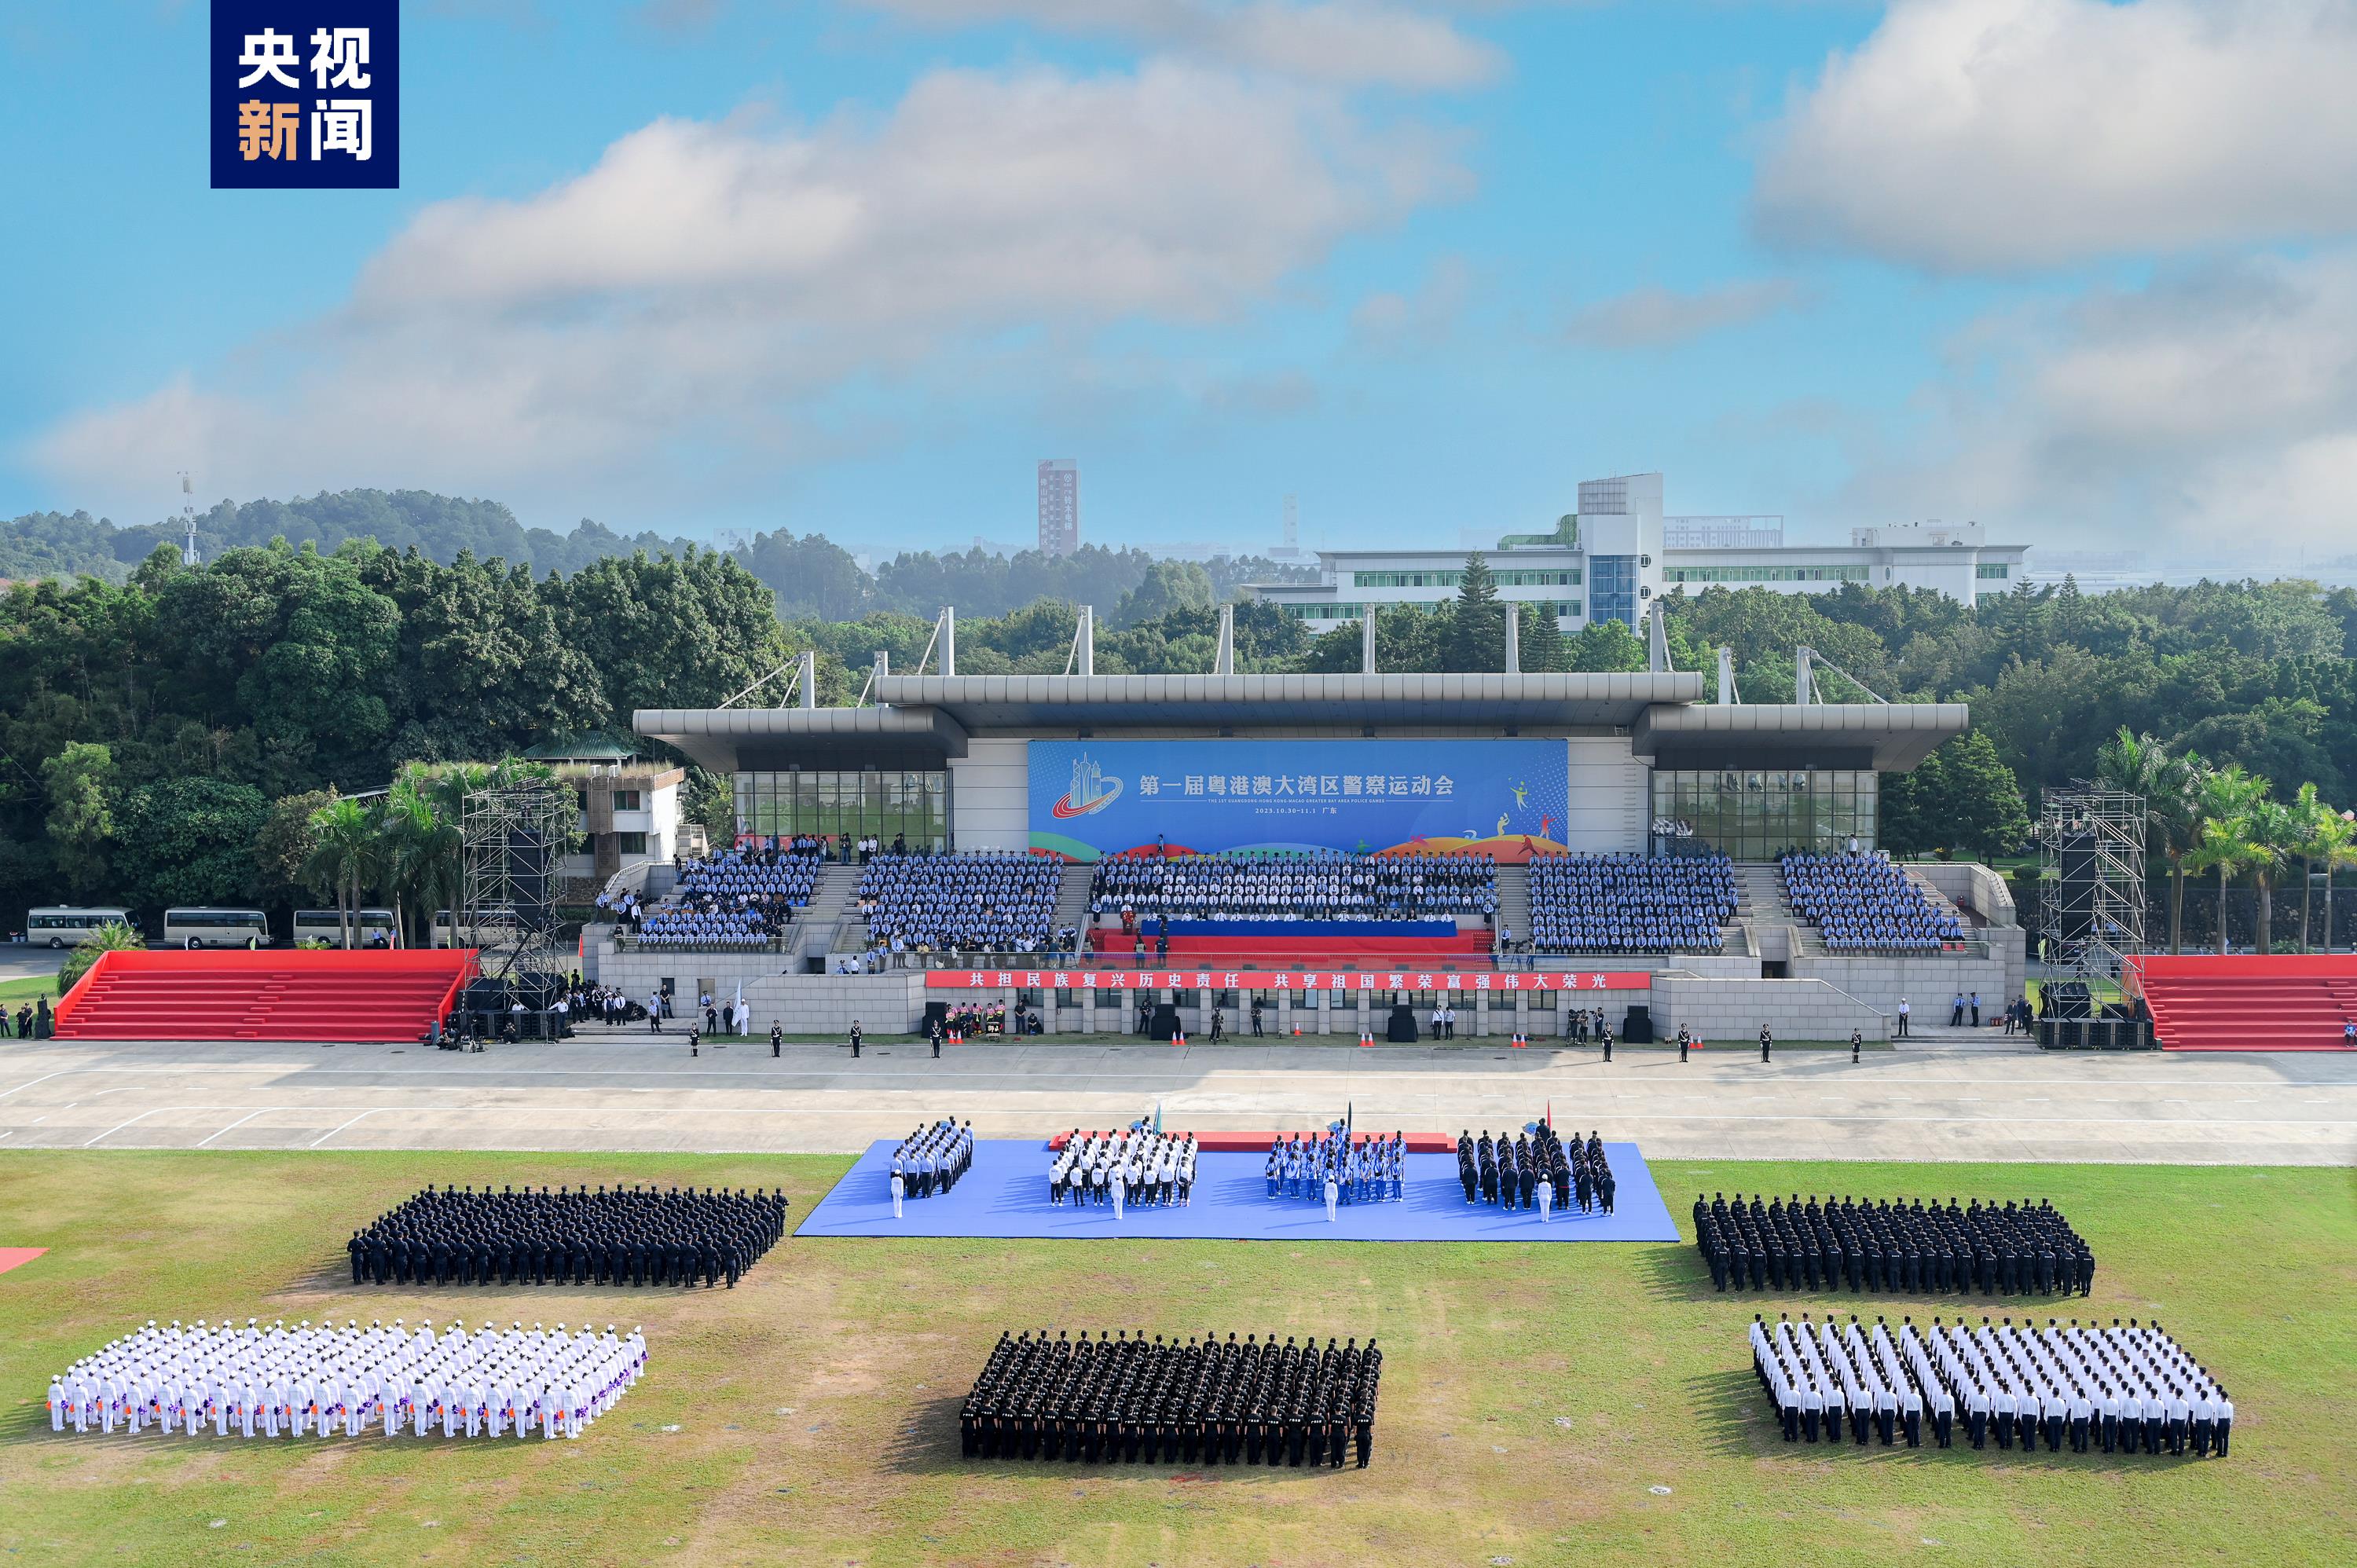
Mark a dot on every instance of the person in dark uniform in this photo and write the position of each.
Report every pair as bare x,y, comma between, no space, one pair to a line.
854,1039
777,1040
1856,1041
1767,1042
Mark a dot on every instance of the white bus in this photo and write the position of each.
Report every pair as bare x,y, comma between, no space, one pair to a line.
216,929
69,928
490,926
371,928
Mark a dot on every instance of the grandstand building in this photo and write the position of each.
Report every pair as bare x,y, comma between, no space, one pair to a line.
1301,834
1610,560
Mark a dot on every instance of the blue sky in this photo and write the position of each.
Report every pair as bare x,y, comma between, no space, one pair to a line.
2077,269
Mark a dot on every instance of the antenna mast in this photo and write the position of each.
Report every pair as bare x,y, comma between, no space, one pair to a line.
188,519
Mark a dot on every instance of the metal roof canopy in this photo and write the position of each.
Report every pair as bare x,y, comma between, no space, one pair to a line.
1066,702
929,718
1891,738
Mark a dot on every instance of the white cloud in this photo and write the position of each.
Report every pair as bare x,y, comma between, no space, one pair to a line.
705,301
1339,42
1654,318
1423,317
2215,409
2001,134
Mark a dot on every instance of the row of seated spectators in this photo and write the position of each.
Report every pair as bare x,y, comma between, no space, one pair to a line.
1864,903
998,902
1327,886
1631,903
734,899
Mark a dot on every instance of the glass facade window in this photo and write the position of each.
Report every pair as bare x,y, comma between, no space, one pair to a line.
1612,588
1997,573
1756,813
1765,573
911,806
1324,611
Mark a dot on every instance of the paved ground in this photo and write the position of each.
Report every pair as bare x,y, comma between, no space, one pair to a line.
629,1093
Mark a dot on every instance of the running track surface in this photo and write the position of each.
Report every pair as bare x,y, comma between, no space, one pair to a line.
1005,1196
10,1257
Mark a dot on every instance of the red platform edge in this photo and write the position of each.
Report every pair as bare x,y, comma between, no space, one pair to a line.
1258,1143
2247,1001
15,1257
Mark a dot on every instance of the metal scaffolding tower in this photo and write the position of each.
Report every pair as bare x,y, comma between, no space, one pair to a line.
2091,910
511,836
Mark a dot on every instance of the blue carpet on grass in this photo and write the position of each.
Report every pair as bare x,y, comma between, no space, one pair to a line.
1006,1194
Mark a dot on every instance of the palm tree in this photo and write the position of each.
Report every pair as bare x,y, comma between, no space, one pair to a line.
2272,833
2316,820
2336,846
420,848
2223,799
2140,765
348,853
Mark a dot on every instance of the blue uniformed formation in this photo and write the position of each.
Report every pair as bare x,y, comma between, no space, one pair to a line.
2123,1390
732,900
1536,1169
1328,885
1863,903
1790,1245
1631,903
932,1158
1368,1167
632,1236
977,902
1121,1400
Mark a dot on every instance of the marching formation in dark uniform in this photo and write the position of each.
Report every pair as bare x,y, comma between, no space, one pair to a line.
1782,1244
1536,1170
620,1237
1125,1400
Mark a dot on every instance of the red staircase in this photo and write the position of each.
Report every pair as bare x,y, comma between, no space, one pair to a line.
304,994
2285,1002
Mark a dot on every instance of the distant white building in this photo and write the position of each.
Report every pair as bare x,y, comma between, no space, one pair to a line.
1617,552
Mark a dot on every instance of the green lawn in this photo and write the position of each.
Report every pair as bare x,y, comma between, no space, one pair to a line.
1535,1397
12,992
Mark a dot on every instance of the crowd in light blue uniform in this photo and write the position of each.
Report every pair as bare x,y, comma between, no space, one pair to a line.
1368,1168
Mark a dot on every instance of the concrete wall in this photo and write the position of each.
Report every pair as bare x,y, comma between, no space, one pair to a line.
1731,1009
1971,885
1929,983
990,796
1610,797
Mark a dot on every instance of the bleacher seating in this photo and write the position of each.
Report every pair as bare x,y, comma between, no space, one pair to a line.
733,899
1864,903
991,902
1629,903
1328,886
394,994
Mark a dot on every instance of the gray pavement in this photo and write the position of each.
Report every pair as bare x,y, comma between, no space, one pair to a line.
1941,1101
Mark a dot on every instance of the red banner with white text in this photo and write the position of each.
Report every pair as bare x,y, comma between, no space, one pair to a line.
1509,982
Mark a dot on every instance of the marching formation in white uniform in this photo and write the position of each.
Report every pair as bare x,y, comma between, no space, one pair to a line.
2125,1390
349,1381
1121,1169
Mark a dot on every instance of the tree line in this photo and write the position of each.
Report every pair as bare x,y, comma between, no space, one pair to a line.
810,575
163,736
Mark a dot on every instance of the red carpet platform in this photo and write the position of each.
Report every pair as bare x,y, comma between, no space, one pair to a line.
2282,1002
294,995
1258,1143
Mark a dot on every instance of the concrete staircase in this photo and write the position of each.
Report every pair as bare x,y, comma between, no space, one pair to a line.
1514,900
1073,900
831,922
1759,892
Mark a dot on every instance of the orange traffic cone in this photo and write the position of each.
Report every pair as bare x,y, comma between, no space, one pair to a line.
1366,1040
